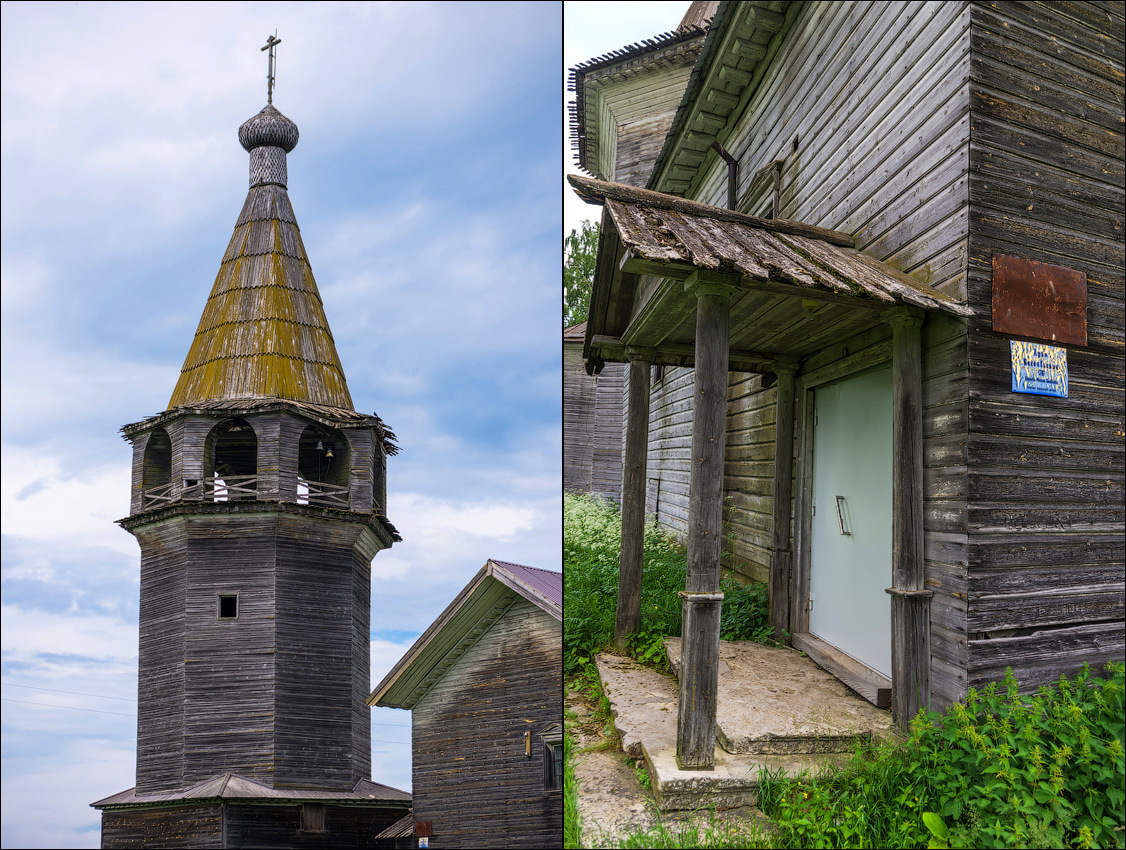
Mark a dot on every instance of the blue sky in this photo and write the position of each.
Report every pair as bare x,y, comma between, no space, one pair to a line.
592,28
426,187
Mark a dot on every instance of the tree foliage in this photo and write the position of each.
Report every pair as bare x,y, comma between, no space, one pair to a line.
579,252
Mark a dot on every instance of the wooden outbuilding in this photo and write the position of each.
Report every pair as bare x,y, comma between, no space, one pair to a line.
484,685
592,422
258,502
879,251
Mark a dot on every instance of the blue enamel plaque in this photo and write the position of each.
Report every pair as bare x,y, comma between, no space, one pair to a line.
1039,369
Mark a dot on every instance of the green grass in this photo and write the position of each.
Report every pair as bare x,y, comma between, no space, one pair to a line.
592,533
1000,769
572,819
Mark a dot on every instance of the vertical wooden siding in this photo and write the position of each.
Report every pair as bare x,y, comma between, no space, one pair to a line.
471,778
592,427
876,95
579,392
1045,511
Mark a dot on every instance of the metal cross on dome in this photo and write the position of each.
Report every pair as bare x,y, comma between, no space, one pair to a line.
272,41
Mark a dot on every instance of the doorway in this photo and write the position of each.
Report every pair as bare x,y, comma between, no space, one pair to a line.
851,518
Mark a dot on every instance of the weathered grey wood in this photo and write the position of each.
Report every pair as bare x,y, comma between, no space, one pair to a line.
633,500
910,612
780,555
480,709
699,675
700,670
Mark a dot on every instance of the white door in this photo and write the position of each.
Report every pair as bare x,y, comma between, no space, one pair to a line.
851,523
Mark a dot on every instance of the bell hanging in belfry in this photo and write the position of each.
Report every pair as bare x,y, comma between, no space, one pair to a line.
328,453
320,446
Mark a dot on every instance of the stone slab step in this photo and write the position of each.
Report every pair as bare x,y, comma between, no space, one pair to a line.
643,702
776,701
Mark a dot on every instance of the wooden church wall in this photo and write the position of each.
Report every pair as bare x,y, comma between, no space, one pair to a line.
876,97
592,426
1046,551
607,433
505,684
578,420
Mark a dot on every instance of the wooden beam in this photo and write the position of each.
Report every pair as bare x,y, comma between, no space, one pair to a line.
633,498
699,673
678,270
613,348
910,604
780,554
596,191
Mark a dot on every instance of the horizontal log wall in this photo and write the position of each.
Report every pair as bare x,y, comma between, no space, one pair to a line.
170,827
471,778
1045,484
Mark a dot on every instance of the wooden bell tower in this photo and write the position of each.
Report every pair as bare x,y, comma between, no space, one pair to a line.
258,501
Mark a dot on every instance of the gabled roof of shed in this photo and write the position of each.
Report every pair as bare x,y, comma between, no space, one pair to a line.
231,786
472,613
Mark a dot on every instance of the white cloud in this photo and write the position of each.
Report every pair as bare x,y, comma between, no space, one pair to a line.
38,498
26,634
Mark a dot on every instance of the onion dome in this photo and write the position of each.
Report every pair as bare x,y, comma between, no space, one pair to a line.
269,128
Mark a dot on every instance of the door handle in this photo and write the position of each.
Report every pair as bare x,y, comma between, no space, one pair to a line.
840,517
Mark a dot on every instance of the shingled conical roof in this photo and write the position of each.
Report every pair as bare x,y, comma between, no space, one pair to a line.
263,334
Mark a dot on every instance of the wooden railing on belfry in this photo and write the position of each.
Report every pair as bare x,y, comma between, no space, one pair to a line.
243,488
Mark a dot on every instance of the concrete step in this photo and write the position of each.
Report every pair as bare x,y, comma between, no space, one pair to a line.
776,701
644,704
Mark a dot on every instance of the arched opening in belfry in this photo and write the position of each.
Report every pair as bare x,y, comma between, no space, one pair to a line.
323,467
232,454
156,469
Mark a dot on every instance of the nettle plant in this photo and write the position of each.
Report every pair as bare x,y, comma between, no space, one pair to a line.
1003,770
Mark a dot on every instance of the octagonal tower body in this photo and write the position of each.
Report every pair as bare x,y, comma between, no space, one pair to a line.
258,502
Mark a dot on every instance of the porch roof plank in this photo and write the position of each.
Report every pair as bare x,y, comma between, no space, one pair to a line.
783,263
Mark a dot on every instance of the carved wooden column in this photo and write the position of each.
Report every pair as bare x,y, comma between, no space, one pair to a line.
699,657
633,496
910,601
780,554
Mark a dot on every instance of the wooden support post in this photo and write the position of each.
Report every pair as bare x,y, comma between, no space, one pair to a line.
699,680
699,667
633,497
910,605
781,555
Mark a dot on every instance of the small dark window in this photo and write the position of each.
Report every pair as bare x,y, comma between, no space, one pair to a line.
228,605
553,765
313,817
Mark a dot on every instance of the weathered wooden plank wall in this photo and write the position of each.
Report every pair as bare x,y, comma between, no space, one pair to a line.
592,426
471,778
875,95
1045,484
176,826
606,433
578,420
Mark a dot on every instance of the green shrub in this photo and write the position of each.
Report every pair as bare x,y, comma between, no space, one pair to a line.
998,770
592,531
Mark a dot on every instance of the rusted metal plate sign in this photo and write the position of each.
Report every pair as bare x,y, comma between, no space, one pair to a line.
1039,300
1039,369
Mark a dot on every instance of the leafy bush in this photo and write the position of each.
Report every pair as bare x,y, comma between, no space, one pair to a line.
998,770
592,532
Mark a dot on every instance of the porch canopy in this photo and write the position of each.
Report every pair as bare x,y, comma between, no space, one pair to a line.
682,283
797,287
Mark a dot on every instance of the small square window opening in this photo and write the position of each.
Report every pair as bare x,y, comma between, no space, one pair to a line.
228,606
